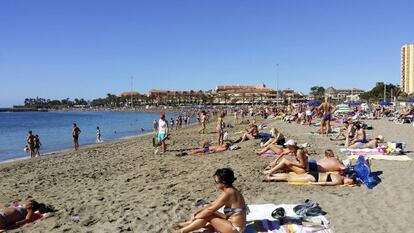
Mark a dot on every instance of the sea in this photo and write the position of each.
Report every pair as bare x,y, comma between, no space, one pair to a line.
55,129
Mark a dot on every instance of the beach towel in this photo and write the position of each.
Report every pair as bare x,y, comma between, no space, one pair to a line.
383,157
365,151
333,133
260,220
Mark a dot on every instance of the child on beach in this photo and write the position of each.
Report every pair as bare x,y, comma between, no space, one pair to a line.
98,135
37,145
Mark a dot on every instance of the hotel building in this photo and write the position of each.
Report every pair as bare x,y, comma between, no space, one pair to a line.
407,68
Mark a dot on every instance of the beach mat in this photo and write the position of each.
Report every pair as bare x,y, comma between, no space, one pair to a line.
260,220
366,151
383,157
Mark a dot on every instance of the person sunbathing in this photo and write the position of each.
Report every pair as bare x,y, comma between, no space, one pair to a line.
233,220
372,144
16,216
251,133
208,148
343,132
360,135
316,178
299,166
329,163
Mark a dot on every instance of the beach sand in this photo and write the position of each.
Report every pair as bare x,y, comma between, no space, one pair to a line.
124,187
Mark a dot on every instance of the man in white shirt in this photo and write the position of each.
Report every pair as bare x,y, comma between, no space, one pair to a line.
162,132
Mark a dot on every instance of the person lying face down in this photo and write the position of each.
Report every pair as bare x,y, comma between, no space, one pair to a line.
316,178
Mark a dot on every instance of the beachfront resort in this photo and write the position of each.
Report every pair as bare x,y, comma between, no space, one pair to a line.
206,116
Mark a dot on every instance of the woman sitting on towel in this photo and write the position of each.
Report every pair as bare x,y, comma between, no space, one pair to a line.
299,166
207,148
17,216
275,143
233,220
251,133
317,178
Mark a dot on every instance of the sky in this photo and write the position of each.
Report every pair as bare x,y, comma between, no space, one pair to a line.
87,48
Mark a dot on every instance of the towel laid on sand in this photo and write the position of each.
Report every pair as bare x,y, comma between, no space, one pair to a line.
260,220
366,151
383,157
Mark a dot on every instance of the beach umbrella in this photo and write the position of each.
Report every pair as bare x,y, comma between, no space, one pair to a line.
343,108
410,101
314,103
354,104
385,103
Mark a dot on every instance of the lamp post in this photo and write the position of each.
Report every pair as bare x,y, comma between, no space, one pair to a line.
132,87
277,83
385,90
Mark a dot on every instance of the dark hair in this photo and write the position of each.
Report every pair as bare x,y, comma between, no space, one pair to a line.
225,176
42,208
30,131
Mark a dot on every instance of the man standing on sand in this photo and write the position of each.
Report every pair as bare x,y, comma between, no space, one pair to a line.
75,133
203,122
162,132
327,110
31,144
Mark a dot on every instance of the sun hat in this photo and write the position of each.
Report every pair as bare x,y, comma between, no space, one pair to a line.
290,142
380,137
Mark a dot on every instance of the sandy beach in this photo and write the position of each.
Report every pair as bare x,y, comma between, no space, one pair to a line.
123,187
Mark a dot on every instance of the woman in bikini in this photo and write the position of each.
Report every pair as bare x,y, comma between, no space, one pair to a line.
317,178
233,220
299,166
275,144
13,217
207,148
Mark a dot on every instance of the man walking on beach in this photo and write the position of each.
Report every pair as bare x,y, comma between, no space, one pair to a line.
31,144
327,110
75,133
162,132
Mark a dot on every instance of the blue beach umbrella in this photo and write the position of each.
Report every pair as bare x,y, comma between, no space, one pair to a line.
354,104
385,103
314,103
410,101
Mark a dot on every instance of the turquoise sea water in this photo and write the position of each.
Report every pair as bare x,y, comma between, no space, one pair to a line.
55,129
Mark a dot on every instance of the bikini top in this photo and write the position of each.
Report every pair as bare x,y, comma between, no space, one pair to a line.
232,211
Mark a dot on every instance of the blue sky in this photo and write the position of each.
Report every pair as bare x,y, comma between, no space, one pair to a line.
87,48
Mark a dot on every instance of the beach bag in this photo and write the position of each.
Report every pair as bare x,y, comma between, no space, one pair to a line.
363,173
396,147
